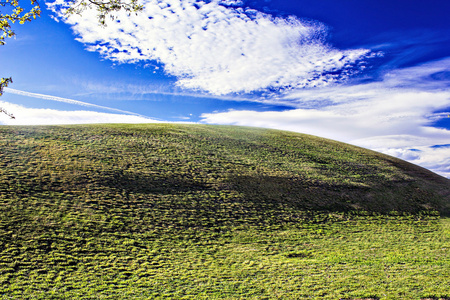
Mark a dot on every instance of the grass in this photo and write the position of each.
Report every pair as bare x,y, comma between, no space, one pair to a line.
214,212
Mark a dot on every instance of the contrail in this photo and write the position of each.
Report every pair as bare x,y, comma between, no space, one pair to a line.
65,100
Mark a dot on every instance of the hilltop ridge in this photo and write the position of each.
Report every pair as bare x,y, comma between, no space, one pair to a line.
249,167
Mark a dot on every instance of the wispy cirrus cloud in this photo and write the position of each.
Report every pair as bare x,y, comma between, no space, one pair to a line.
217,46
395,115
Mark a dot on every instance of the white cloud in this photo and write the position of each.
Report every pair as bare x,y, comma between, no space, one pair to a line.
33,116
435,159
65,100
403,113
392,116
218,48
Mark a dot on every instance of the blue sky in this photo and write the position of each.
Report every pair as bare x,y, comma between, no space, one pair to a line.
373,73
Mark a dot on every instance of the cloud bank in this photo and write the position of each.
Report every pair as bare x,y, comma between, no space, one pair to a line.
33,116
395,116
65,100
218,47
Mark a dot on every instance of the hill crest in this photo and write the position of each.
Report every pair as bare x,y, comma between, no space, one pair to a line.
225,167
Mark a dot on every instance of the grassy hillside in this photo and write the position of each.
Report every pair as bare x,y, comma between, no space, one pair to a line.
214,212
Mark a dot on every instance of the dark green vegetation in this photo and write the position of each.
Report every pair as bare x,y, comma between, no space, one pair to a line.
212,212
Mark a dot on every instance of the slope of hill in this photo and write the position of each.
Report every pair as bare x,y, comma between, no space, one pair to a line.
117,205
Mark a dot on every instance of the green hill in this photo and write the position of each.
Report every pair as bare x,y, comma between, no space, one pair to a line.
196,211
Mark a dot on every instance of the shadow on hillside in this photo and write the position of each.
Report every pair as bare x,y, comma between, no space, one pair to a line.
189,203
297,194
160,184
